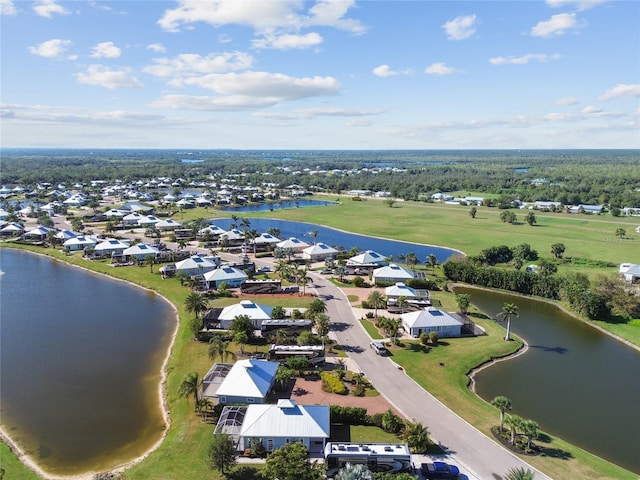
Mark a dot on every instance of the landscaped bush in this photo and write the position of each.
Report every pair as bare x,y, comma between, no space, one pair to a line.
349,415
332,384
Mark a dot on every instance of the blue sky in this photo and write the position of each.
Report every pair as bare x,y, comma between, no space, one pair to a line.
344,74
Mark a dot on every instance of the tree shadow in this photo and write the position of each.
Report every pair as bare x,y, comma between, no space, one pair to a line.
560,350
419,348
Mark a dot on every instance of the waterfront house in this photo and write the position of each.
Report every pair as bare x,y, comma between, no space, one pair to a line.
79,243
391,274
292,243
38,234
248,381
197,265
277,425
431,319
168,224
11,230
211,231
318,252
368,257
110,247
139,252
232,276
257,313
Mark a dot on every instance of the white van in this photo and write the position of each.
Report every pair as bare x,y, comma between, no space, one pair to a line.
379,348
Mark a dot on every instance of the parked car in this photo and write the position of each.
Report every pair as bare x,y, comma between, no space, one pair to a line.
379,348
439,470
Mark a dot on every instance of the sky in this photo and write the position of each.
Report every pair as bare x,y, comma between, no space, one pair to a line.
320,75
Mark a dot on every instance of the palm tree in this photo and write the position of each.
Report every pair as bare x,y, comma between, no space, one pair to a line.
189,386
322,325
196,303
412,260
376,300
531,429
515,423
316,307
149,260
463,300
219,348
314,235
241,338
283,374
353,471
417,437
509,311
519,473
503,404
274,232
402,303
432,261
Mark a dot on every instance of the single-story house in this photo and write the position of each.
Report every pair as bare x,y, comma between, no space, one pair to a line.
168,224
148,221
197,265
115,213
79,243
431,319
38,233
140,251
248,381
132,219
211,231
630,272
277,425
265,239
399,290
232,237
368,257
318,252
233,277
65,235
293,243
136,207
257,313
392,273
11,229
546,206
111,246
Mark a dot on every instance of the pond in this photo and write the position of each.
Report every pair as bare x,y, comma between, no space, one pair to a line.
577,382
333,237
81,358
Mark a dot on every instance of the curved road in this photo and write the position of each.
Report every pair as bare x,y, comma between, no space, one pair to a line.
470,447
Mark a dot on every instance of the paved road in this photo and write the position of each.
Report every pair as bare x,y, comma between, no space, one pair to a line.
467,445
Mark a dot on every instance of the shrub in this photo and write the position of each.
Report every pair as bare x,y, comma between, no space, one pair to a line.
349,415
370,315
332,383
424,338
358,391
358,282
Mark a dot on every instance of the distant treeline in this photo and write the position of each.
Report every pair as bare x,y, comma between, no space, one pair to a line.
571,177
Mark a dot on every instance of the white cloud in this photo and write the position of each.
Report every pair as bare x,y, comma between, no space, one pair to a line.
567,101
557,25
460,28
47,8
309,113
621,91
156,47
288,41
7,7
578,4
105,50
524,59
384,71
188,64
51,48
249,90
591,109
262,16
439,68
108,78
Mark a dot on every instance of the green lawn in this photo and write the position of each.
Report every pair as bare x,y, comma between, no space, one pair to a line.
183,453
371,329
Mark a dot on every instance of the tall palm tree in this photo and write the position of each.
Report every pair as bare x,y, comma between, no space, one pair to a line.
515,423
149,260
432,261
196,303
531,429
463,300
316,307
412,260
509,311
503,404
314,235
376,300
402,303
219,348
322,325
189,386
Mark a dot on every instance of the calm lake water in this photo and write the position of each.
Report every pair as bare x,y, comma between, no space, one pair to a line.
81,358
269,207
333,237
577,382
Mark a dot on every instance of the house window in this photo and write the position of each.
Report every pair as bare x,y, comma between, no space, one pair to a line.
270,444
223,399
251,400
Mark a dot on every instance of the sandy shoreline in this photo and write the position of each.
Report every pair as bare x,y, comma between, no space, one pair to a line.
164,406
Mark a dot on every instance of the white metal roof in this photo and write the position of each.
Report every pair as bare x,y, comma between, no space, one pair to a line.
249,378
286,419
429,317
253,310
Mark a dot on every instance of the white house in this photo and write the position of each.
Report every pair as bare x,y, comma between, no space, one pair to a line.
211,230
318,252
79,243
232,276
11,229
132,219
38,233
248,381
392,273
431,320
630,272
168,224
197,265
293,243
265,239
399,290
140,251
111,246
148,221
65,235
257,313
277,425
368,257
